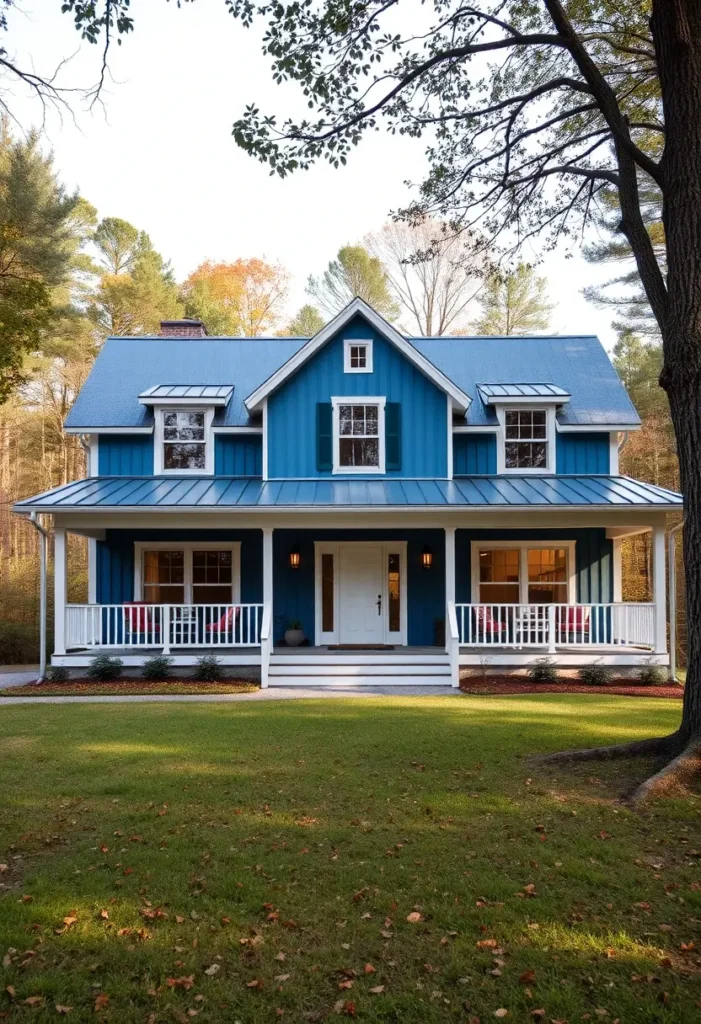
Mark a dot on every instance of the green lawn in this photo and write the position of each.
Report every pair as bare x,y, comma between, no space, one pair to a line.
245,862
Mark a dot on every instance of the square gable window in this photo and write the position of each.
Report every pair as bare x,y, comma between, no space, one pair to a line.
357,356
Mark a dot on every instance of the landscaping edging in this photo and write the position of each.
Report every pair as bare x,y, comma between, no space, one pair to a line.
505,685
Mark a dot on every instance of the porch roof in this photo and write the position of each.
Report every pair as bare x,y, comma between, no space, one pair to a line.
221,492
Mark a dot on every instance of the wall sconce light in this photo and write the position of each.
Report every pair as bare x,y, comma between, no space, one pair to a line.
294,558
427,557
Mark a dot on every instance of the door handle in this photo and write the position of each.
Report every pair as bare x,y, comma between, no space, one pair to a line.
379,604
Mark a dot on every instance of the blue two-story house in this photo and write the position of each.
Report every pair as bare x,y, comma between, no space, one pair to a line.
403,506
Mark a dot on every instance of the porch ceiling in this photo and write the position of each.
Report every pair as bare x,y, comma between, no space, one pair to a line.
208,493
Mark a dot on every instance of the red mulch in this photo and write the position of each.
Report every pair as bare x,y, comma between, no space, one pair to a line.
508,684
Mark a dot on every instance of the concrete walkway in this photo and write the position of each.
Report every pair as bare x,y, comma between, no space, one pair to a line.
273,693
17,675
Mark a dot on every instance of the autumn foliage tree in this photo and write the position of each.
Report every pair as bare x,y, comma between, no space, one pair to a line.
241,298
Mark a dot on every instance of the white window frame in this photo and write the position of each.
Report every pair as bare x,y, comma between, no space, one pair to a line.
336,402
550,453
524,546
159,440
140,546
399,547
353,343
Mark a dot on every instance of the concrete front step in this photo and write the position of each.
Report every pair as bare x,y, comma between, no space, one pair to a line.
331,679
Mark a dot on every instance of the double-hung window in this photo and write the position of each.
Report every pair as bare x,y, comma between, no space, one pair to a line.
523,573
192,573
525,439
359,435
183,441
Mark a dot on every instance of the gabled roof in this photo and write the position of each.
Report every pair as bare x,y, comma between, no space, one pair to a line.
494,394
183,394
214,493
353,309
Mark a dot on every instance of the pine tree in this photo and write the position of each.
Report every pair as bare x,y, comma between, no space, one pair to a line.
353,273
514,303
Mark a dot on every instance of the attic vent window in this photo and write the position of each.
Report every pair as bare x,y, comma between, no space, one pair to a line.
357,356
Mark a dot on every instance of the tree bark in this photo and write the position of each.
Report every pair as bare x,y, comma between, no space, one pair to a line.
676,27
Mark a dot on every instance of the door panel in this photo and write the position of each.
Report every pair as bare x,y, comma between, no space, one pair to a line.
360,587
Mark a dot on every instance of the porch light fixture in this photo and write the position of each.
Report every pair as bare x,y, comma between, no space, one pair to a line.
427,557
294,558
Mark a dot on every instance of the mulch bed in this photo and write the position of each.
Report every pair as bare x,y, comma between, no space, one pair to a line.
503,685
136,687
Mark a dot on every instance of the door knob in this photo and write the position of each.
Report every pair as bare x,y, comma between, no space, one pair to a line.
379,604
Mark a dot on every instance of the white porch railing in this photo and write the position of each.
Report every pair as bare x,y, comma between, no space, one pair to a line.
164,626
556,625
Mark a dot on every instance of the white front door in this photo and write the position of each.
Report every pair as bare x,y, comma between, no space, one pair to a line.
361,594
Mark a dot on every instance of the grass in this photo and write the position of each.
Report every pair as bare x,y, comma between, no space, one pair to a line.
245,862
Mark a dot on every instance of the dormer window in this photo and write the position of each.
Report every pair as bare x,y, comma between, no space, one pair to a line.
184,441
357,356
525,439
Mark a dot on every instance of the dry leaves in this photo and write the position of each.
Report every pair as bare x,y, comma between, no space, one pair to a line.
414,917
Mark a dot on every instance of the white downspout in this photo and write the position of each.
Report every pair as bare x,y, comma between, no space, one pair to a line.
43,541
672,584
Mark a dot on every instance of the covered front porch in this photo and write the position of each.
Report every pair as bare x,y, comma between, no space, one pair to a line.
413,604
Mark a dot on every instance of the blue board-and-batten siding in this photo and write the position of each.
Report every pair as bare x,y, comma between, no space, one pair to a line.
115,560
132,455
588,452
292,409
125,455
474,454
593,559
238,455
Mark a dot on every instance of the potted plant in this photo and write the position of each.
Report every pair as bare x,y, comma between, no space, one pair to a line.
294,634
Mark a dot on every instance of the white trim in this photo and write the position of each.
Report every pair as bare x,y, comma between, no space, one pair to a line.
333,548
249,657
158,441
188,547
493,658
462,401
613,453
380,402
449,565
524,545
264,460
94,457
449,415
596,428
237,430
476,430
183,401
349,343
659,588
618,570
60,590
108,430
549,468
526,400
92,570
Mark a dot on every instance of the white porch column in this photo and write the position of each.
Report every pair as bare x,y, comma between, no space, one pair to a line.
268,567
449,564
659,590
60,590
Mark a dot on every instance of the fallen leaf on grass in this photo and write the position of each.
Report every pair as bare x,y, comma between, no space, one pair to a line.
369,969
486,944
281,956
214,969
414,917
501,1012
345,984
527,977
282,977
102,1001
33,1000
377,989
10,991
255,984
186,982
105,915
63,1009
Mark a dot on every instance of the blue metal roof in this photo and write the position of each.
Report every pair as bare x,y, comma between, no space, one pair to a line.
491,393
122,492
215,394
127,367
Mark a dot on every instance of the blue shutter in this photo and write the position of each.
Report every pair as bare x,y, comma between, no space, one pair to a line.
393,436
324,436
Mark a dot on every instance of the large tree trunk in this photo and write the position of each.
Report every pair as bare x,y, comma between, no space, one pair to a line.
676,26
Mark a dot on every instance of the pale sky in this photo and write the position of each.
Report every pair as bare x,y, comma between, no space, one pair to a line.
161,154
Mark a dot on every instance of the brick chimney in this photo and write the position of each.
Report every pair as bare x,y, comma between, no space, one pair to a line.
183,329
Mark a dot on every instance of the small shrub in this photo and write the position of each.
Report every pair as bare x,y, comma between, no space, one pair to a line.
651,675
103,668
595,675
19,643
208,669
57,674
543,670
157,668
